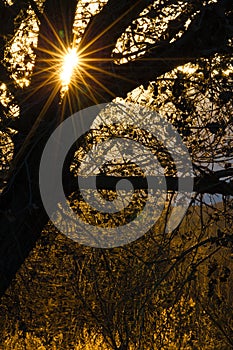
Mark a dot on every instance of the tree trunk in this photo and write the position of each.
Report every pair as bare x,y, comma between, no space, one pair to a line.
22,214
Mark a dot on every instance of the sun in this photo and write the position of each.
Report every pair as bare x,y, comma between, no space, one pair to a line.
70,63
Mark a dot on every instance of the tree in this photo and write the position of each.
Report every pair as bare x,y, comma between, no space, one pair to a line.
115,46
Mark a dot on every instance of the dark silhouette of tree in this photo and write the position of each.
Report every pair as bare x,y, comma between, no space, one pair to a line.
132,51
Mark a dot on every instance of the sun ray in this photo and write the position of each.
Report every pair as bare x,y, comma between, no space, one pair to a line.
100,84
97,37
109,73
34,127
85,89
65,63
56,35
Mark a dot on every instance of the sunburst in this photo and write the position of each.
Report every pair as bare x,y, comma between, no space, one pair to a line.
70,64
69,68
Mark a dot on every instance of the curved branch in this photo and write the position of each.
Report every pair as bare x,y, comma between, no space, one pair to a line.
207,34
106,27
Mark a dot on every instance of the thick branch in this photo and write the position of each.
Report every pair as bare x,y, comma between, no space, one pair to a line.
207,34
106,27
210,184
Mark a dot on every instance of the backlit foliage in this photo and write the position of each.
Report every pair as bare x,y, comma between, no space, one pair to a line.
167,290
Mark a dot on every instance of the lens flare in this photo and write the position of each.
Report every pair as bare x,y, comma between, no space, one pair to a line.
70,63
